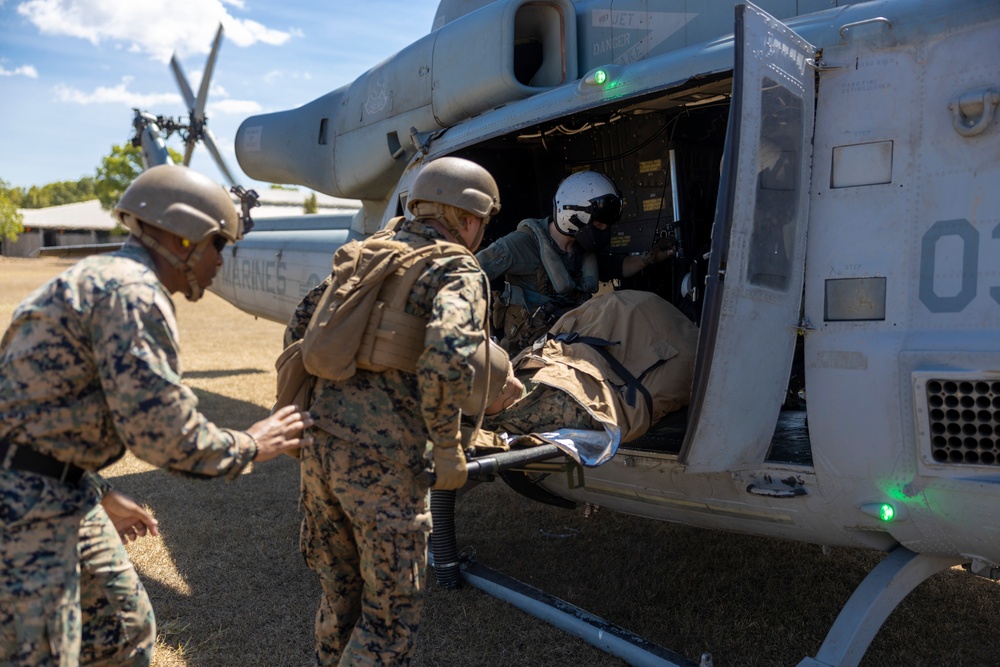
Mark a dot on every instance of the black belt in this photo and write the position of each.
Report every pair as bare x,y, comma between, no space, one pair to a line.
25,459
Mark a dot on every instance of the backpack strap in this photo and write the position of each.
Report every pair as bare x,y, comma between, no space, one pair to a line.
414,262
396,337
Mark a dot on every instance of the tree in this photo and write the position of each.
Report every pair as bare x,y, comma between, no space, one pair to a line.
57,194
310,206
11,222
117,171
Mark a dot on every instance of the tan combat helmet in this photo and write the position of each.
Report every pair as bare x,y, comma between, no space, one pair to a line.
457,183
185,203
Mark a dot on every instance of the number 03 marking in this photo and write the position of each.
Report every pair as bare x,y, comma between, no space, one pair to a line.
969,237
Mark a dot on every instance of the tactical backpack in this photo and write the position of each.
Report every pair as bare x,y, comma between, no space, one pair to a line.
361,319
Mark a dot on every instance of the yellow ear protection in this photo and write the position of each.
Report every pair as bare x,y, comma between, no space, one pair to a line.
185,243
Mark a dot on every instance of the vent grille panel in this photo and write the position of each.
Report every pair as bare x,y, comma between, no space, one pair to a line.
964,421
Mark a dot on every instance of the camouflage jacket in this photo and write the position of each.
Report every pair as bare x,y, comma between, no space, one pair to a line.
89,367
400,413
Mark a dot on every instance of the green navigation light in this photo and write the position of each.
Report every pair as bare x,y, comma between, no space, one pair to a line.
600,76
886,512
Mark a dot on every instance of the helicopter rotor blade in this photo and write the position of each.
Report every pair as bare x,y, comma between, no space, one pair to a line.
209,140
198,111
182,83
188,150
189,100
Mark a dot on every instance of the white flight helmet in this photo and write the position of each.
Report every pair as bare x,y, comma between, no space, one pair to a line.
585,197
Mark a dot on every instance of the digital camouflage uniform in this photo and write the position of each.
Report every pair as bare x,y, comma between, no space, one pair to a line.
89,367
366,517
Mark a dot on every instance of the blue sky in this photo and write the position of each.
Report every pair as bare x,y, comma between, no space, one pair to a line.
72,70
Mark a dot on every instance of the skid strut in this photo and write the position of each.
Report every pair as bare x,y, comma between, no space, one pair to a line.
451,572
594,630
872,602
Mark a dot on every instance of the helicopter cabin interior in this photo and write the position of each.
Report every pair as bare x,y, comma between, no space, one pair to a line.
664,152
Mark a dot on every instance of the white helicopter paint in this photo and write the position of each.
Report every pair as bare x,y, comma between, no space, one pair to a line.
846,248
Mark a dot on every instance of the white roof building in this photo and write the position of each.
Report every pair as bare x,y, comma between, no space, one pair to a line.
279,202
84,215
86,222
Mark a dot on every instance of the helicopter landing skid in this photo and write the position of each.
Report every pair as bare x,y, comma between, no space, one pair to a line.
872,602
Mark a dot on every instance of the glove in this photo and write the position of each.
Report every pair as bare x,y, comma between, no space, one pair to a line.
449,467
664,249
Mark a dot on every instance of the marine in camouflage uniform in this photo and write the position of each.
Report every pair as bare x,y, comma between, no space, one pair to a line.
366,516
89,367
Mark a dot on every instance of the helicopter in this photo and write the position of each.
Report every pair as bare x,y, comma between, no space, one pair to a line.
827,169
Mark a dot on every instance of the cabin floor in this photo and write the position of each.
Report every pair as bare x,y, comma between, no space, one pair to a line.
789,445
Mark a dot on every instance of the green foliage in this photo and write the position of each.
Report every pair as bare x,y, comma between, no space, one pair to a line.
57,194
310,206
279,186
116,172
10,219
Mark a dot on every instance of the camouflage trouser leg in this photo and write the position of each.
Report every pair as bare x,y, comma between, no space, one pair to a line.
39,580
39,602
541,409
118,625
41,576
365,534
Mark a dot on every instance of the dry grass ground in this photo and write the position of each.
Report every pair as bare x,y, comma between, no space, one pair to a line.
230,588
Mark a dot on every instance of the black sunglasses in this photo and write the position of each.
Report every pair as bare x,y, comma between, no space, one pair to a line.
219,242
606,208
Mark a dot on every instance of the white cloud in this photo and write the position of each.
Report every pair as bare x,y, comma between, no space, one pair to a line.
247,32
277,75
24,70
156,27
240,107
117,95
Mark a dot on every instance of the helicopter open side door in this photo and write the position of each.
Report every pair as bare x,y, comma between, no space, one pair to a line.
756,267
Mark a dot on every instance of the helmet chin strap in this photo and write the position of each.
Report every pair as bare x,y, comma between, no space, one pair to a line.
194,290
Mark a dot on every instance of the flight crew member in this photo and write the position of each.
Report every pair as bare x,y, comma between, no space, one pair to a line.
364,494
551,265
89,367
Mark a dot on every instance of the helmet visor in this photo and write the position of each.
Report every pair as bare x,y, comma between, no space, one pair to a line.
605,209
